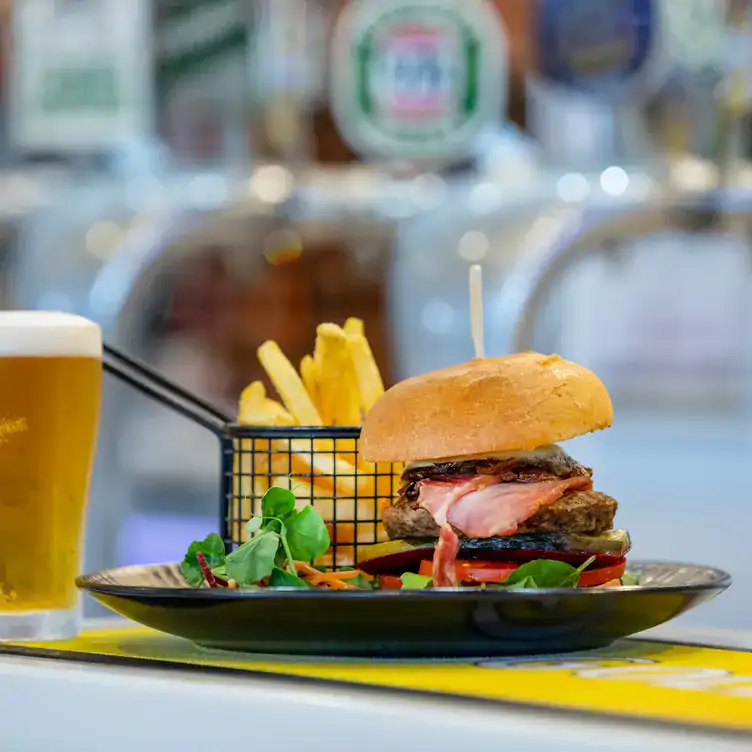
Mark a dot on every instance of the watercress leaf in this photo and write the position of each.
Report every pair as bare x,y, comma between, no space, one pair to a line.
274,524
544,573
277,502
213,549
629,579
574,579
253,525
283,578
361,582
307,535
193,573
411,581
254,560
525,583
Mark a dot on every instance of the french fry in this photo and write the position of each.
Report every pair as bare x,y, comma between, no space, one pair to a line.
253,477
367,375
288,384
268,413
335,386
310,380
354,326
251,398
313,472
282,417
330,471
251,473
340,404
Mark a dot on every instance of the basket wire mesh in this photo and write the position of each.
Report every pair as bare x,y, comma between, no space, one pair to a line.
322,467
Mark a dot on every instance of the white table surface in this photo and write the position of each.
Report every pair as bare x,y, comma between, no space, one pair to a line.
61,706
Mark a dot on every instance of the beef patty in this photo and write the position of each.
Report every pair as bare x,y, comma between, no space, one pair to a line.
584,512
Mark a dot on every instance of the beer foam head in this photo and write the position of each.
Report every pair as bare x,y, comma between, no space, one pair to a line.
48,333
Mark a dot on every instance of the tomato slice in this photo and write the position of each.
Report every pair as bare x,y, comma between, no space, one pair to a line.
593,577
476,571
389,582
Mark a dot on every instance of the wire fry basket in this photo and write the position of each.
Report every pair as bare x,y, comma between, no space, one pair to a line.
321,465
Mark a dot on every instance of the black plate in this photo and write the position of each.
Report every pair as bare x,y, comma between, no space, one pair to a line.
426,623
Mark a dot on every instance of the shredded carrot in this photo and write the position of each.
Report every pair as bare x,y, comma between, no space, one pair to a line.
331,580
348,575
307,569
335,585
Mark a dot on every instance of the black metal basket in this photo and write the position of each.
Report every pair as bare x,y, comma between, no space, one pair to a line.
323,468
320,464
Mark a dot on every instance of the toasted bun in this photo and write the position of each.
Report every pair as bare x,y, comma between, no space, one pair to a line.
515,403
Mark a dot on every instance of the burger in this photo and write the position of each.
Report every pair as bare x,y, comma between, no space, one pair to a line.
486,487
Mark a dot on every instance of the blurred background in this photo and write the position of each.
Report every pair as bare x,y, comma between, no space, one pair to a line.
201,175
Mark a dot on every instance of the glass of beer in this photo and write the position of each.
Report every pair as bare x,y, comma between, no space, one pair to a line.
50,392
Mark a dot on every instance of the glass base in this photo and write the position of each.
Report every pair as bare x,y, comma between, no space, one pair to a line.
39,626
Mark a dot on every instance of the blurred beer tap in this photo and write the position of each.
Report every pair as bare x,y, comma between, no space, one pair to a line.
596,65
704,108
532,282
287,72
735,94
701,180
734,90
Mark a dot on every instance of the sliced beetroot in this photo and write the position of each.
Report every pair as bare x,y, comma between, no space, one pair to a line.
400,556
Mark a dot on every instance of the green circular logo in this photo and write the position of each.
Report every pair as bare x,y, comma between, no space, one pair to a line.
417,78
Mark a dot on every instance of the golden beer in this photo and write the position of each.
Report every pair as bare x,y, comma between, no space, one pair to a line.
50,392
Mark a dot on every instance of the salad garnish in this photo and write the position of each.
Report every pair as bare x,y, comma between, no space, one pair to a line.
281,539
545,573
284,541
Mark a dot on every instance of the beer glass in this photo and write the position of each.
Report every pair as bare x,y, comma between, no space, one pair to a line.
50,392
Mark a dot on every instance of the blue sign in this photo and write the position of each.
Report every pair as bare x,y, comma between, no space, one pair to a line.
599,46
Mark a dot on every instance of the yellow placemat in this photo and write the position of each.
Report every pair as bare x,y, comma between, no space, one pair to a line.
635,678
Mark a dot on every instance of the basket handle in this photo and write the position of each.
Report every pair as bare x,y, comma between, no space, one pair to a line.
146,380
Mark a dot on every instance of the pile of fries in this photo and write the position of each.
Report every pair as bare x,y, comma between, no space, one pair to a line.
336,385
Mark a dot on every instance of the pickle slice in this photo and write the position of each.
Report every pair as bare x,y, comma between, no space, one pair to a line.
403,554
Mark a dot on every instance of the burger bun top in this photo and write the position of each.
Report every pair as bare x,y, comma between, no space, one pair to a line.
486,405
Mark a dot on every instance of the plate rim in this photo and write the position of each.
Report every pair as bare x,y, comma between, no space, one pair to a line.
722,581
